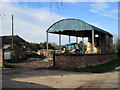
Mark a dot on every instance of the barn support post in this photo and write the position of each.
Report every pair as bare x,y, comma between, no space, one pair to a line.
82,44
69,39
100,43
93,41
76,39
47,43
60,41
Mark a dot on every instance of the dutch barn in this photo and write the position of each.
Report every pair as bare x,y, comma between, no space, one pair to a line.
99,40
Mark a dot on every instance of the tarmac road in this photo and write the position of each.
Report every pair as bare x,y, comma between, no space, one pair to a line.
20,78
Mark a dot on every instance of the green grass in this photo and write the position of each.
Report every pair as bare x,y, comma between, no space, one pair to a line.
2,67
101,68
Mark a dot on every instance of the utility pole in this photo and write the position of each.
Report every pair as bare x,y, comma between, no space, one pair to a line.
12,31
12,53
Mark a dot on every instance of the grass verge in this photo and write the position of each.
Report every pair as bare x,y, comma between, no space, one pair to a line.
101,68
2,67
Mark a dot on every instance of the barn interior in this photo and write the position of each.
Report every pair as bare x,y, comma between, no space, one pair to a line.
99,40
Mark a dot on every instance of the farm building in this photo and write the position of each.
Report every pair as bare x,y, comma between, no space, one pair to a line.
18,44
99,40
99,47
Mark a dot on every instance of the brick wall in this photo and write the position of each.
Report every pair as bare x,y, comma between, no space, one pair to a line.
82,61
1,58
33,64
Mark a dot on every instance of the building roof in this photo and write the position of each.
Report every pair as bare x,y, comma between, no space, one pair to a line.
7,40
70,43
74,27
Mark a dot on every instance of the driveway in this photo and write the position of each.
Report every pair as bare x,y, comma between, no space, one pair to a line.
23,78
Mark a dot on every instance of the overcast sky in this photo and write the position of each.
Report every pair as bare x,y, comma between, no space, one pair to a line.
32,19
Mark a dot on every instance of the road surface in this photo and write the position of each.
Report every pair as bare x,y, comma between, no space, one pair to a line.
20,78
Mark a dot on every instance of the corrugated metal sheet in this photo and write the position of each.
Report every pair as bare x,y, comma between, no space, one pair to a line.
73,25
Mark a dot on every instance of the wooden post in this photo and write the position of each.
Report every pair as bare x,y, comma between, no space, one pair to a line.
12,52
1,57
54,58
83,44
47,43
92,41
12,31
100,43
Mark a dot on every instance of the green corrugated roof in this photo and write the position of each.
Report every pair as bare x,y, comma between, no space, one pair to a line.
76,25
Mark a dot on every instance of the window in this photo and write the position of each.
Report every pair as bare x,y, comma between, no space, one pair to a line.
76,46
70,47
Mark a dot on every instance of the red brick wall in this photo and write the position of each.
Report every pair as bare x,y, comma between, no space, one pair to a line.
1,58
82,61
33,64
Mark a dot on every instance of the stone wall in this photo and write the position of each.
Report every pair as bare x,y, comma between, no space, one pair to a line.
82,61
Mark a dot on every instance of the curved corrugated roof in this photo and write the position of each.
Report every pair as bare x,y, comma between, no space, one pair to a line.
65,25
